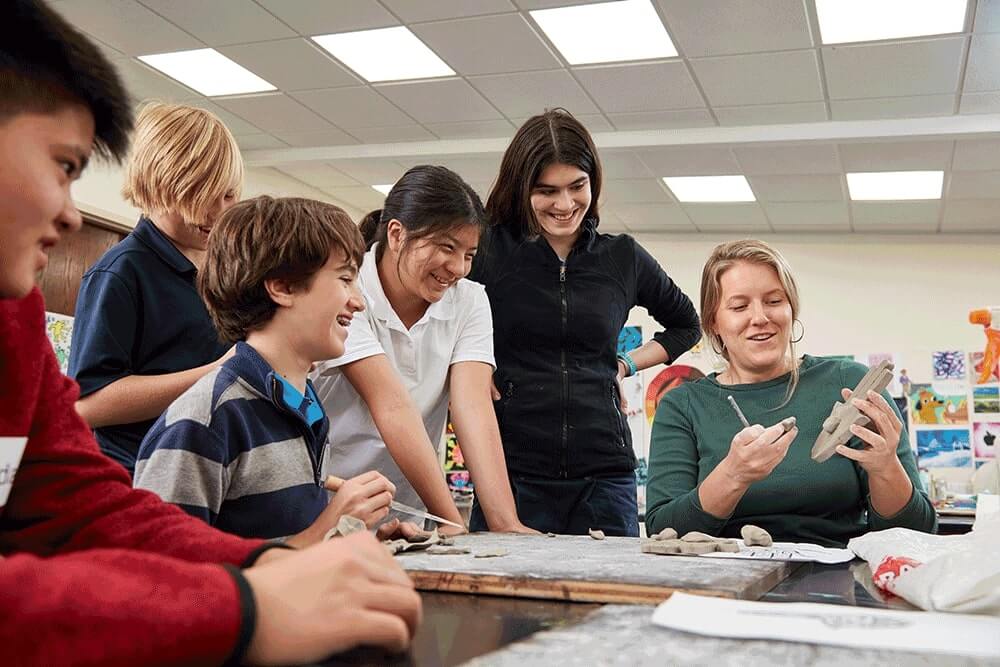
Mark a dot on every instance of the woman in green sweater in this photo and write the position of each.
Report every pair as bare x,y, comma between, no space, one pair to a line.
709,473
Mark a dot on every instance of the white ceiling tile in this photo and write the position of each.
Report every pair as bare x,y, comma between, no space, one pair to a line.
145,83
798,188
868,214
222,21
808,214
435,10
354,108
983,70
973,103
896,156
922,67
977,154
650,217
441,101
623,164
893,107
971,215
236,125
720,27
318,175
370,171
730,216
689,161
987,16
274,112
389,135
546,4
766,78
770,114
472,129
662,120
472,168
523,94
633,191
360,196
328,137
646,87
795,159
471,46
611,223
291,64
309,17
127,26
974,185
253,142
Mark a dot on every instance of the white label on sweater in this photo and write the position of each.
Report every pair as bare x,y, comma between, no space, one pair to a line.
11,450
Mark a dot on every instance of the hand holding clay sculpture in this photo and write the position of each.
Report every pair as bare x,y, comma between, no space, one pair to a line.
837,427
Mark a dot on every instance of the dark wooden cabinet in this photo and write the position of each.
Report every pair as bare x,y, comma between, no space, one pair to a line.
70,259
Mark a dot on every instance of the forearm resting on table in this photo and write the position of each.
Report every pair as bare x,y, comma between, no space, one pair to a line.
136,398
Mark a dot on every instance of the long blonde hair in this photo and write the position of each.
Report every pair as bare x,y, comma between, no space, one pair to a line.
723,257
183,159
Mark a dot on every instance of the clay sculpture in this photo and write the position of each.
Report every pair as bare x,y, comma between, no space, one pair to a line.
666,534
755,536
837,427
693,543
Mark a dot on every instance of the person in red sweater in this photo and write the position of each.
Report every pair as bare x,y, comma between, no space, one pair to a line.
92,571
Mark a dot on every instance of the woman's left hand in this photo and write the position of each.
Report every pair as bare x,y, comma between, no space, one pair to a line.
880,436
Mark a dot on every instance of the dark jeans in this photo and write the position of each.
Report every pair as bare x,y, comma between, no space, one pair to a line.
572,506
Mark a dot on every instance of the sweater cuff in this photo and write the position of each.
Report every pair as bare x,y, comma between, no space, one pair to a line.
248,615
256,553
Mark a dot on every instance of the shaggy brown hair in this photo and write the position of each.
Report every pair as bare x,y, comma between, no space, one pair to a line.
267,238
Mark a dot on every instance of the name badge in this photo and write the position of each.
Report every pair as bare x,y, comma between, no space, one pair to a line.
11,450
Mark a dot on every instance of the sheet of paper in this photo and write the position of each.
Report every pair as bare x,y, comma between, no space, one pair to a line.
11,450
800,552
836,625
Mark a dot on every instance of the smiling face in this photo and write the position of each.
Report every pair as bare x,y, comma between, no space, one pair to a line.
192,235
754,321
560,199
41,155
429,266
321,312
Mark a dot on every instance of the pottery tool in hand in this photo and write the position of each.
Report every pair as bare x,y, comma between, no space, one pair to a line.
333,483
787,424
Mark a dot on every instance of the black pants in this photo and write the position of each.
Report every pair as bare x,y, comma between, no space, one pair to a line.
572,506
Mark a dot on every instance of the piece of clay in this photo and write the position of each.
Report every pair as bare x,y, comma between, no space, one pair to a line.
550,534
440,550
447,541
666,534
727,547
697,547
597,534
662,547
695,536
837,427
345,526
754,536
409,544
490,553
787,424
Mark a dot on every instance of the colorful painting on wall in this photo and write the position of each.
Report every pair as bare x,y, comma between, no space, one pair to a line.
60,331
948,365
984,439
976,369
455,472
986,400
875,359
666,380
944,448
939,403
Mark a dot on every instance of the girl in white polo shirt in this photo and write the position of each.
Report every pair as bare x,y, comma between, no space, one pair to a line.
425,339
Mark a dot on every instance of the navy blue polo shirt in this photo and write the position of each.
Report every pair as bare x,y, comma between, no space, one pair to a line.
138,313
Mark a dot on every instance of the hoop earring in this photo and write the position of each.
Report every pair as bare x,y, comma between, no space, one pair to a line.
801,327
720,352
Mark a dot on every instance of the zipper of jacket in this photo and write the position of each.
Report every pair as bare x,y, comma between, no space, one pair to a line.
307,436
565,371
618,417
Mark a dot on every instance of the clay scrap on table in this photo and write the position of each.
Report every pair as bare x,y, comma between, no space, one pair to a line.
666,534
837,427
490,553
414,543
754,536
597,534
693,543
442,550
345,526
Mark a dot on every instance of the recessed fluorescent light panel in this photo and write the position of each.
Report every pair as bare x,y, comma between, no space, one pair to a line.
702,189
606,32
386,54
843,21
895,185
384,189
207,71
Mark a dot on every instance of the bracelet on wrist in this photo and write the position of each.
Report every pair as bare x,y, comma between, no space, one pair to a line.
630,367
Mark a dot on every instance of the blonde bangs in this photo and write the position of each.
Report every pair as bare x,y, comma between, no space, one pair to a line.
183,159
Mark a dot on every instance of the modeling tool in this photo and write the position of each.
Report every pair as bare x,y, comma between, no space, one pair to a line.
333,483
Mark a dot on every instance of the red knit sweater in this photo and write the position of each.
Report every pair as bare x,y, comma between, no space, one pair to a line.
93,571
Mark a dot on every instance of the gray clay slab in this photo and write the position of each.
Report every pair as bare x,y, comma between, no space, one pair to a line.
625,635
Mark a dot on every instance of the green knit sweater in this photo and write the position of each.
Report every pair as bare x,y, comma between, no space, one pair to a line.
801,500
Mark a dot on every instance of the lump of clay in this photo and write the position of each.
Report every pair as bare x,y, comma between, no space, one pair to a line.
490,553
661,547
441,550
666,534
754,536
345,526
697,547
695,536
597,534
550,534
727,546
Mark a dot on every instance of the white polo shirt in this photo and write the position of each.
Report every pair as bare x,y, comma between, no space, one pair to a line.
457,328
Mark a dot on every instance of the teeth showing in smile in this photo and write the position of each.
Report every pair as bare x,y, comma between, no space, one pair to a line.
440,281
343,320
761,337
562,218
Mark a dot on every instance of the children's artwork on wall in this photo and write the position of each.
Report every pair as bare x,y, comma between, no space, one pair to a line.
986,400
455,472
60,331
666,380
984,439
976,369
629,338
939,403
948,365
875,359
944,448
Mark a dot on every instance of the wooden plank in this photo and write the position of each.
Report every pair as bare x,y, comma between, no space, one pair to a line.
582,569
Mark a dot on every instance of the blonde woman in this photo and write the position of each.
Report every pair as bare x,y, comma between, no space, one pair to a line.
142,335
710,474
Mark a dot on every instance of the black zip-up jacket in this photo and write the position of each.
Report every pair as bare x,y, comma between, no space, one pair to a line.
555,332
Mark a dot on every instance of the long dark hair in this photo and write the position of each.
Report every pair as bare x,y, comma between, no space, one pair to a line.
553,137
427,200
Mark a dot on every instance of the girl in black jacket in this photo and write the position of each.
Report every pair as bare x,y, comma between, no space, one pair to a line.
560,292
